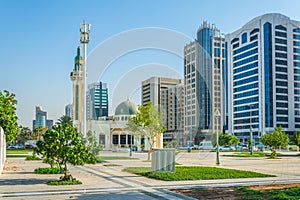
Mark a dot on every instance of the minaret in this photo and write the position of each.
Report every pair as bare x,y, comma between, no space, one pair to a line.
77,77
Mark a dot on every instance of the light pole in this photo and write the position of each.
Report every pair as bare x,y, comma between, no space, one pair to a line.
130,152
217,115
251,135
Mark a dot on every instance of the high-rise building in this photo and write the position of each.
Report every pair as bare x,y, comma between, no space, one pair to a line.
97,101
152,87
166,93
204,60
41,119
77,79
68,110
264,76
172,105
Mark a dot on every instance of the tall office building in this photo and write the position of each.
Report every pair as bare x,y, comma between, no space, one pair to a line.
166,93
97,101
41,119
264,76
152,87
204,60
68,110
172,104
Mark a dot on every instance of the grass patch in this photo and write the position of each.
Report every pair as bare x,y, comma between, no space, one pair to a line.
183,173
105,158
247,154
65,181
16,156
286,194
34,157
18,151
111,165
48,170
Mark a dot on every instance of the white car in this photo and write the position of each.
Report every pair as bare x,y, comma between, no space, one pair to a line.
226,148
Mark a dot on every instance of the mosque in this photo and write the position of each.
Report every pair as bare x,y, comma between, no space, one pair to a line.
114,134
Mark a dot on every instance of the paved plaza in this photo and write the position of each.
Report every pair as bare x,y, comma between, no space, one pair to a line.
109,182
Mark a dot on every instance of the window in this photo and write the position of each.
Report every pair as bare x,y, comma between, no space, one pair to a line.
244,38
245,74
246,87
280,27
280,34
280,62
256,30
252,38
281,76
244,48
280,41
281,83
244,81
281,98
280,55
281,69
246,67
246,60
234,40
280,48
248,53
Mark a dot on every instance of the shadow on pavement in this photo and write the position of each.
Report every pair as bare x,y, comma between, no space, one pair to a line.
22,181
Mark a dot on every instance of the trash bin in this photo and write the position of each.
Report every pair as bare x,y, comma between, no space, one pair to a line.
189,149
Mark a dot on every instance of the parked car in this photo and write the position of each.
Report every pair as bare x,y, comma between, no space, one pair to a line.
16,146
205,145
30,146
226,148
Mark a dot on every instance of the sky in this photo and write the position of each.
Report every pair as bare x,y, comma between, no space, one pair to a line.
131,40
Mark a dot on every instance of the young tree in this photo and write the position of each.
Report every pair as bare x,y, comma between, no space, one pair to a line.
296,139
147,123
39,132
199,136
91,143
62,146
8,117
274,140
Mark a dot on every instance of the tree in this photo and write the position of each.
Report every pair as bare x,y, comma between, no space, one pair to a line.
39,132
147,123
64,120
91,143
199,136
24,135
8,117
296,139
62,146
225,139
274,140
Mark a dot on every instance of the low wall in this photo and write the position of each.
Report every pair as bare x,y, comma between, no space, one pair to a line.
2,149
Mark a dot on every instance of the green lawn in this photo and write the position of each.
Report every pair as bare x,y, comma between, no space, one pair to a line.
18,151
16,155
284,194
105,158
247,154
183,173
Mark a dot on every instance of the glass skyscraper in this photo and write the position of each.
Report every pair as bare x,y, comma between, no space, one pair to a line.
97,101
264,76
204,60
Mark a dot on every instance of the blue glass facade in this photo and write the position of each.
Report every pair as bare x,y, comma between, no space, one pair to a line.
268,74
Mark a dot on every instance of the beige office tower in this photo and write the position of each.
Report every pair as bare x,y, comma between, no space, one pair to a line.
77,79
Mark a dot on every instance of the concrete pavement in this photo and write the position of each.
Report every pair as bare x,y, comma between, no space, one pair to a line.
19,182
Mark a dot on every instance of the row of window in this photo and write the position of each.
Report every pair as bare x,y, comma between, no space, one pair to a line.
243,55
246,94
280,48
255,37
244,48
245,107
246,87
246,60
246,121
243,101
246,67
245,74
246,114
280,34
244,81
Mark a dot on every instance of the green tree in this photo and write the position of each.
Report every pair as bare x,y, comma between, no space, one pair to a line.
8,117
147,123
91,143
24,135
62,146
64,120
199,136
274,140
224,139
39,132
296,139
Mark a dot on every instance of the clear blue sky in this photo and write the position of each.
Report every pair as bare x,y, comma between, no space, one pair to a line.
39,40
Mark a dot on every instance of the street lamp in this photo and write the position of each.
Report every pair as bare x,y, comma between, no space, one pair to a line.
130,152
217,115
251,135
